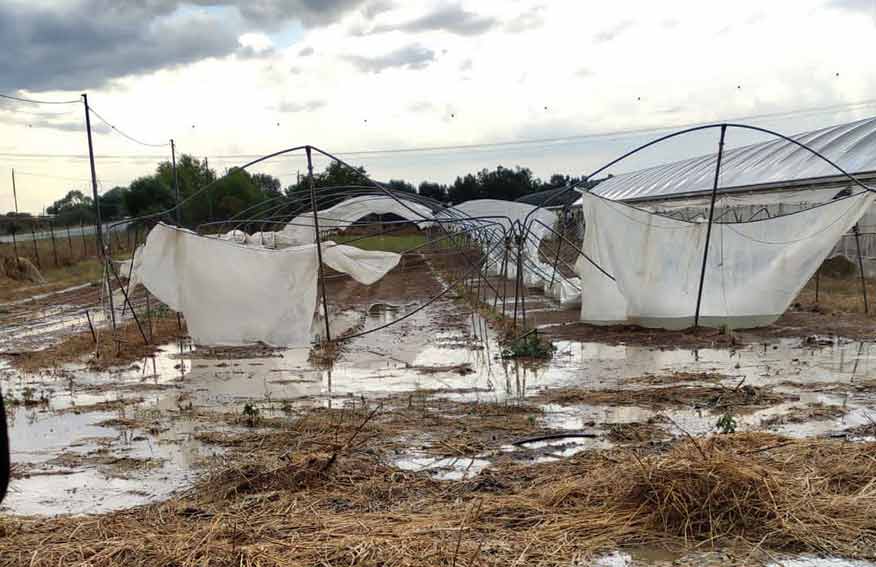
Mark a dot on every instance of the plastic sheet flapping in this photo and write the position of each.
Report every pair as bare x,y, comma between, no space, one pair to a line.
301,229
754,269
232,294
495,220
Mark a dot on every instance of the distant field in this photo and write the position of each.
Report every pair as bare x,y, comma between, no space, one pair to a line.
388,243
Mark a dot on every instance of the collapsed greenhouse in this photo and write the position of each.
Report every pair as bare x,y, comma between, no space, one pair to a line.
723,240
348,368
727,239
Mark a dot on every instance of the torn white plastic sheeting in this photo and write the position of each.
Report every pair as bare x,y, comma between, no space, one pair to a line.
498,219
754,269
300,230
565,290
235,295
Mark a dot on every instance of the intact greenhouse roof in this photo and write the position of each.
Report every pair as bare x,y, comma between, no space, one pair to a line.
852,146
551,198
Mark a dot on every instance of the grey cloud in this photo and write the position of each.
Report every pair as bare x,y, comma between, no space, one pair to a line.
308,106
526,21
867,7
85,45
412,56
249,52
306,52
452,19
273,13
611,33
374,9
466,65
855,5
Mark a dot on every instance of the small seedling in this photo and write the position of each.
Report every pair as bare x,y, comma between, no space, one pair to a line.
529,346
250,414
726,424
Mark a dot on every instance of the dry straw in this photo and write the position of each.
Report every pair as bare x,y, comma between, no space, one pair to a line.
320,492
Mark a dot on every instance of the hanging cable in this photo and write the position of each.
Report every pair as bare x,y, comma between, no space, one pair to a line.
120,132
34,101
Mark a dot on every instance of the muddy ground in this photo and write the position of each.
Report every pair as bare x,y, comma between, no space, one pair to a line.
423,433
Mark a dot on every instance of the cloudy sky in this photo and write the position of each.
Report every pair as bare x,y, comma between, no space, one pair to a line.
230,79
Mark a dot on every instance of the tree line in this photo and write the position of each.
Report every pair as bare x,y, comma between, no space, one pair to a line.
239,192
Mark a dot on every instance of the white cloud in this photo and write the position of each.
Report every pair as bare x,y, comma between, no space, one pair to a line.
408,84
257,42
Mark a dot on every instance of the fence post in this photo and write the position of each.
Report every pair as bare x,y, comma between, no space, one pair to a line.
36,252
70,242
13,225
84,243
54,247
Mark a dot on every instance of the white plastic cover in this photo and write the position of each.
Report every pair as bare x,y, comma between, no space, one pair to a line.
497,220
300,230
233,294
754,269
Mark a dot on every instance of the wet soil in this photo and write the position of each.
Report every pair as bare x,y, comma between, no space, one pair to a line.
89,439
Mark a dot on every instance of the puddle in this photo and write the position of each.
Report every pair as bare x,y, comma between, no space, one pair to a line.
449,468
442,349
647,556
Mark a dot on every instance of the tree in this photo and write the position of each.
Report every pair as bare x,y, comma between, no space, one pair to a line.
112,204
73,208
267,184
399,185
330,185
433,191
148,195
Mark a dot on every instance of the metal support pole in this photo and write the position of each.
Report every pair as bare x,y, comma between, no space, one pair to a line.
522,281
13,225
861,269
557,257
175,182
98,223
310,187
709,227
516,284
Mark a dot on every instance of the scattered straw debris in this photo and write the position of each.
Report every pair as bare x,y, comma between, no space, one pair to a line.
707,397
650,431
304,505
676,378
125,347
803,414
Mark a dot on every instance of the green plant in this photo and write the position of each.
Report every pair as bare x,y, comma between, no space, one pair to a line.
531,345
726,424
250,414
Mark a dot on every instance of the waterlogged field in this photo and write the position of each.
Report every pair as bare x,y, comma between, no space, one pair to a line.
421,444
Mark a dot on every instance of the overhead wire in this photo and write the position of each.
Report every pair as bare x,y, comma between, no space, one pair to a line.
35,101
572,138
125,135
